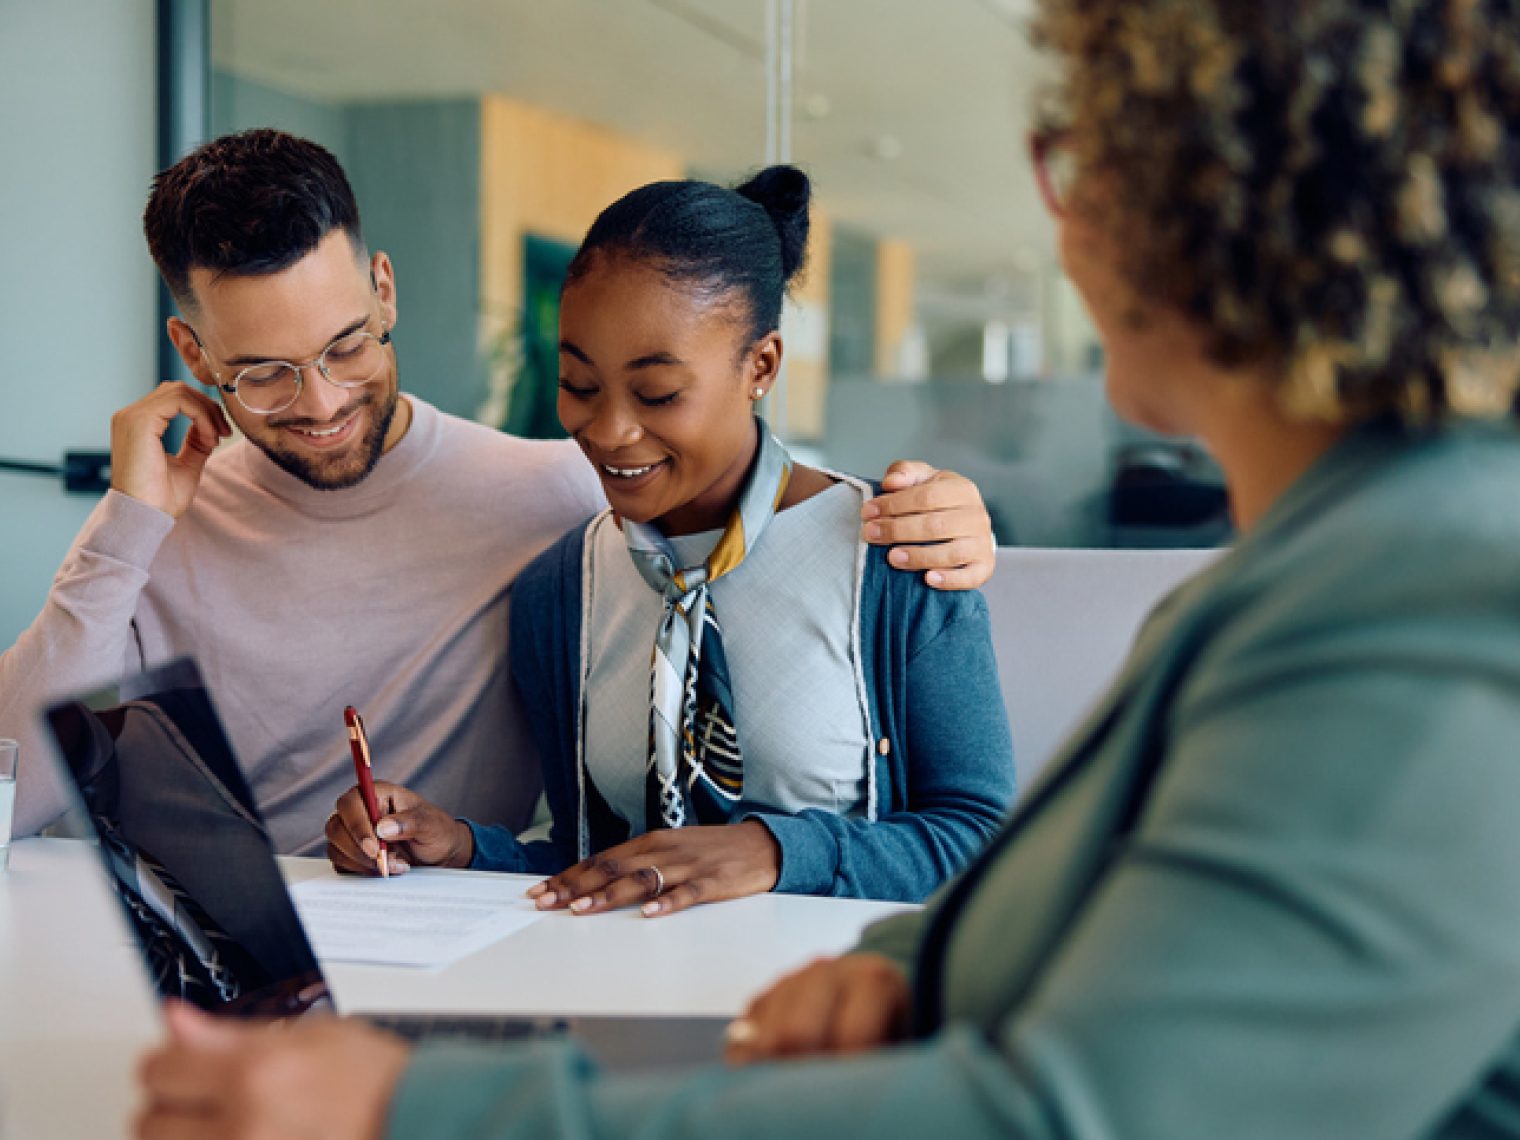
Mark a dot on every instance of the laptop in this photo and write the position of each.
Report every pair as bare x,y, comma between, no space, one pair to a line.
192,864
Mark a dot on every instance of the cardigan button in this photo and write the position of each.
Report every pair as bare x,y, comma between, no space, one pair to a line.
883,747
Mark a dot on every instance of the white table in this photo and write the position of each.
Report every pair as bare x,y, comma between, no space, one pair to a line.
75,1010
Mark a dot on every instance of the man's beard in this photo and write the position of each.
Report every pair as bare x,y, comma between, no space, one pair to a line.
353,466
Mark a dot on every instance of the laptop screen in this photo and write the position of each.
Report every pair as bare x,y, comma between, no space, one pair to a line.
185,847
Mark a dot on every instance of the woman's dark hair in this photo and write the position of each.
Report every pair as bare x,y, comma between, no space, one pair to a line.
749,241
247,204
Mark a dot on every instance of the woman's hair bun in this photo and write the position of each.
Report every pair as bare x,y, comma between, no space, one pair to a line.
784,192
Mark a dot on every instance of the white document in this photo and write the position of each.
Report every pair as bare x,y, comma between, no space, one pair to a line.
424,918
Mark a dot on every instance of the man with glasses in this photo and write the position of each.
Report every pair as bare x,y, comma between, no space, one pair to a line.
265,388
357,546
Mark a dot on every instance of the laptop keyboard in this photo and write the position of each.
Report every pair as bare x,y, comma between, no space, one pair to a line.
421,1027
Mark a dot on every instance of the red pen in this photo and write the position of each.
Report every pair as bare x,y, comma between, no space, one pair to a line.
358,744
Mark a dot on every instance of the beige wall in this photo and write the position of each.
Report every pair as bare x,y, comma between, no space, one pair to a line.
896,271
806,330
550,175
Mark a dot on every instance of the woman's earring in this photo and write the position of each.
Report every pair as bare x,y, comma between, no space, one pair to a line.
759,392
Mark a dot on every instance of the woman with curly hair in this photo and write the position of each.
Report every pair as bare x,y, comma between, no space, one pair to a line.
1266,892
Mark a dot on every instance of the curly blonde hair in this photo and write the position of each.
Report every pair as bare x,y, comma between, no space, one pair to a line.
1331,185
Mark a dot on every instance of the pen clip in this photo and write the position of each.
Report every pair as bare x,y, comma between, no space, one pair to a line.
357,735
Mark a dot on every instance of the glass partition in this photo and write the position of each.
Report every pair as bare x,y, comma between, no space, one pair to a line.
482,137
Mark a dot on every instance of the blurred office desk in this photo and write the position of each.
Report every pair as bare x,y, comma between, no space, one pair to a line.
75,1011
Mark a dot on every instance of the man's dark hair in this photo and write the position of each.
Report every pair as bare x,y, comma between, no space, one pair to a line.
247,204
749,241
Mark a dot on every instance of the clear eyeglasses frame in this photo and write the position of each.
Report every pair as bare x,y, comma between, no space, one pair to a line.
270,386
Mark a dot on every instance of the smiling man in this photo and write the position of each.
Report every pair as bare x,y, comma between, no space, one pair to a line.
338,451
356,546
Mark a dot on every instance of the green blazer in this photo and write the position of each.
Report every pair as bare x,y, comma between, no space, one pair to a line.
1272,888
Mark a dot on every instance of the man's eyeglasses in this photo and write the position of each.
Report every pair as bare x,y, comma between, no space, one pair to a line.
351,361
1055,168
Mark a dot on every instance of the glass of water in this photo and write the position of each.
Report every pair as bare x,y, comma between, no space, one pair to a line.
9,750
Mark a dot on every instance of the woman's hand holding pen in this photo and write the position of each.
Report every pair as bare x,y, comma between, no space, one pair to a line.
665,871
419,833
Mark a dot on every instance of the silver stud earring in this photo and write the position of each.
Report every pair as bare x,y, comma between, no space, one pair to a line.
759,392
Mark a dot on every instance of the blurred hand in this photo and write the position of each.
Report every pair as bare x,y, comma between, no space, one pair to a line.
418,833
940,517
835,1005
695,864
141,468
320,1078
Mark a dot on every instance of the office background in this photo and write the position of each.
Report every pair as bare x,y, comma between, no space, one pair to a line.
483,135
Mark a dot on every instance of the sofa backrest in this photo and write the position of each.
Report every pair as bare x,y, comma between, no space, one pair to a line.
1062,624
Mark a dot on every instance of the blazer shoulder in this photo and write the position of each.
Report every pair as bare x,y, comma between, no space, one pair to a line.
1418,565
1438,525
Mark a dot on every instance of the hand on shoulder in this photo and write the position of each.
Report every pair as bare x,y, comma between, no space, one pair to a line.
936,523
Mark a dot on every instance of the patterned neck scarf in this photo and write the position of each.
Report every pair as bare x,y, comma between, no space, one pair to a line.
696,771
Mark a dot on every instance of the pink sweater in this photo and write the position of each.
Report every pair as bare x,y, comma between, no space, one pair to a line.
391,596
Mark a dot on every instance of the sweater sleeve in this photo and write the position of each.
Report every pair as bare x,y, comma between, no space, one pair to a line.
84,636
897,937
957,767
954,1087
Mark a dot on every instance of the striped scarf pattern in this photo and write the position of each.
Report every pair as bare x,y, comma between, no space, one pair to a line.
696,769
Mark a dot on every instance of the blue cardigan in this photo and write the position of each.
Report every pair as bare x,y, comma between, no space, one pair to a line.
943,774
